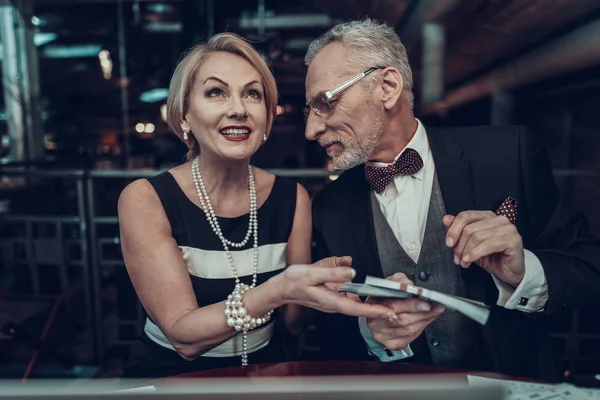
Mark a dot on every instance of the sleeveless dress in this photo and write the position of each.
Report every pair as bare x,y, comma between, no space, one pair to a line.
212,278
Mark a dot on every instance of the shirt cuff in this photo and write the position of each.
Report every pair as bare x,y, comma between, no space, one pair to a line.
377,349
532,293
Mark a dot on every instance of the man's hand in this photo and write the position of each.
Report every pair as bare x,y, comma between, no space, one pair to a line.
488,240
412,316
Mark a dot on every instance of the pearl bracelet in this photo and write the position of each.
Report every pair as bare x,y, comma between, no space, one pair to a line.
238,318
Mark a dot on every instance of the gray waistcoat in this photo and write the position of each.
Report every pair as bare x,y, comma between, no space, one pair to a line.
452,339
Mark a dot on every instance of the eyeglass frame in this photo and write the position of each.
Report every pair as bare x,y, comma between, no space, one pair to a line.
328,95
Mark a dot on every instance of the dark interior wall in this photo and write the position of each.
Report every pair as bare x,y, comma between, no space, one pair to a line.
567,122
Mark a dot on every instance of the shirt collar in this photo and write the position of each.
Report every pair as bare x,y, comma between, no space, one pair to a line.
419,143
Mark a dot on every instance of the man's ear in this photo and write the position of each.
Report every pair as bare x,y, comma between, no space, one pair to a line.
392,85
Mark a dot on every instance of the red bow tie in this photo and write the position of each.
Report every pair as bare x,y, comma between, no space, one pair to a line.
409,163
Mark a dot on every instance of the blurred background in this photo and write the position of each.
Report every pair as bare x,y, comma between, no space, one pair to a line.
84,83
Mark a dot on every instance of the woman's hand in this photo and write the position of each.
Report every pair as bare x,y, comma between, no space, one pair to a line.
314,286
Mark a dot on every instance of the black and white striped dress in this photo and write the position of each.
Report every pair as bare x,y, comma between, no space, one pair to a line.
212,276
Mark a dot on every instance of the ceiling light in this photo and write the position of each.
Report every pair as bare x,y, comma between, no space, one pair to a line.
39,21
154,95
160,8
106,63
286,21
149,128
163,112
73,51
163,26
42,38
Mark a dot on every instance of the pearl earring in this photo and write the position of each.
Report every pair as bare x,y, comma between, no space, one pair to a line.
185,135
264,137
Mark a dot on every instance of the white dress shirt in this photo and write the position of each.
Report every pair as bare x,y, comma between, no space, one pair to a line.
405,204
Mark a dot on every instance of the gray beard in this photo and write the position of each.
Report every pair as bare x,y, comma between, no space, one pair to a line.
359,153
353,156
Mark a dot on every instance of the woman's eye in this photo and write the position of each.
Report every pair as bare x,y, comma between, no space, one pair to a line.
215,93
254,94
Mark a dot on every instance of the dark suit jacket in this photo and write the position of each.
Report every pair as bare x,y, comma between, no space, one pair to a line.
477,168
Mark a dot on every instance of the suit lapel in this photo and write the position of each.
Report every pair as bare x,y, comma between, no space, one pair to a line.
361,229
454,172
454,175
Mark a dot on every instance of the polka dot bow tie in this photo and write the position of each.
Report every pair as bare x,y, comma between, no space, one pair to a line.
409,163
508,208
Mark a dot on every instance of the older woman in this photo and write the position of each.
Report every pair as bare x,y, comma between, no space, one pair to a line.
207,243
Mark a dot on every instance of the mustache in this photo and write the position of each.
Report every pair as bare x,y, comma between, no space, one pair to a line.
324,142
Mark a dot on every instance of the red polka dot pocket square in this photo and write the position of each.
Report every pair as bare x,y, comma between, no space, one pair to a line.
508,208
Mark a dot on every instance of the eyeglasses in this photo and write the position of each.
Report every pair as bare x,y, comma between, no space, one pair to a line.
322,104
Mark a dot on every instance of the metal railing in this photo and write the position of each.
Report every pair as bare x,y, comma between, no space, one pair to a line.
90,240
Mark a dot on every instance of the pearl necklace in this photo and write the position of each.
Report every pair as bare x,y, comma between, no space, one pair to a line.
214,223
240,288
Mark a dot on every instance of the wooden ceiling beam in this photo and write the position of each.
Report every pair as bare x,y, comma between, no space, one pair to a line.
424,11
574,51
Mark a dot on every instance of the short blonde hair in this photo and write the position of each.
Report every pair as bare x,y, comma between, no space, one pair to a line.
182,81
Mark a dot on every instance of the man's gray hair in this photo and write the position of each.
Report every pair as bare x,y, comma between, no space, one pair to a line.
373,44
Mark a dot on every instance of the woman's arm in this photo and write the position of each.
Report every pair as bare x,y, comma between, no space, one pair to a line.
161,279
296,316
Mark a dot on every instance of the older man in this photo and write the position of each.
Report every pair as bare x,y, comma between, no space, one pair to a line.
472,212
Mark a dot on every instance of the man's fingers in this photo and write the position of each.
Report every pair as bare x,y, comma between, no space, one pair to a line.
463,219
405,324
400,306
448,220
496,233
417,318
383,301
394,336
497,239
400,277
358,309
476,232
490,246
353,297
